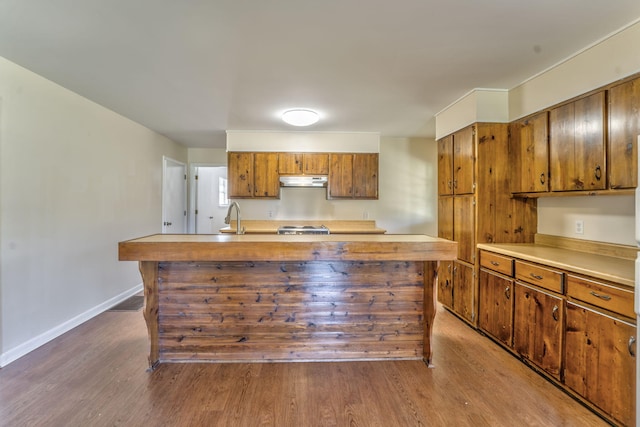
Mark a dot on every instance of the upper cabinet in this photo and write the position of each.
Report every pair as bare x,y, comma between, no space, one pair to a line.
253,175
257,174
456,155
624,128
353,175
577,144
303,163
529,154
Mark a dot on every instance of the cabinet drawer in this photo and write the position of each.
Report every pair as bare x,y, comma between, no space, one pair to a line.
540,276
603,295
495,262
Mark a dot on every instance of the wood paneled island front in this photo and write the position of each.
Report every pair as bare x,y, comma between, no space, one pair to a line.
230,298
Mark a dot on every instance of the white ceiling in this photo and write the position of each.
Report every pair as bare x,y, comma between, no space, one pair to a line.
192,69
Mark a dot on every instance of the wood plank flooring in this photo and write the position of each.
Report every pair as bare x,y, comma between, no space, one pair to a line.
96,375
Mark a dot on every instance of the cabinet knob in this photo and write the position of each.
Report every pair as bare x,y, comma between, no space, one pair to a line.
598,173
507,292
631,345
554,313
542,178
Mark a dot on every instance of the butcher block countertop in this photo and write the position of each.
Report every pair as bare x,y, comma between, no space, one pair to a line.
615,263
252,226
273,247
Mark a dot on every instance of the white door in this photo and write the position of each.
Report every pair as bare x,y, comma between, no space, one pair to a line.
174,196
210,199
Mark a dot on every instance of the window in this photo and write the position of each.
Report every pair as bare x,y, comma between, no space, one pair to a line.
223,197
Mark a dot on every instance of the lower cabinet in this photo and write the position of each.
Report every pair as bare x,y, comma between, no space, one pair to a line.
495,306
578,330
600,361
456,289
538,327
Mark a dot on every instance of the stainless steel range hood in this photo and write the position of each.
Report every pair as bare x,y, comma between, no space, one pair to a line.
318,181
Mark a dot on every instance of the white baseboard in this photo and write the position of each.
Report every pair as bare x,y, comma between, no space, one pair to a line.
26,347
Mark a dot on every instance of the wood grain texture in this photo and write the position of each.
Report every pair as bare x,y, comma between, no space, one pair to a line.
94,375
290,310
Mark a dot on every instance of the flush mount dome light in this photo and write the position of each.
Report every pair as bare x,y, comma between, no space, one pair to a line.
300,117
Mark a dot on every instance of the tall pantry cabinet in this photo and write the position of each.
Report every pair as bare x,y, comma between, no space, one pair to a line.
475,206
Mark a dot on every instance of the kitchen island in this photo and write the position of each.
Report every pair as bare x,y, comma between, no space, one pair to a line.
229,298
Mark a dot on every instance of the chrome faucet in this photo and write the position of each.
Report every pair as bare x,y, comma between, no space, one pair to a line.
227,219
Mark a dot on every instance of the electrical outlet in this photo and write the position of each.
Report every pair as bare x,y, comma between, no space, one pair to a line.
579,226
270,214
365,215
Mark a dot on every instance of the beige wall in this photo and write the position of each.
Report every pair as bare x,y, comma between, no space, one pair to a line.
75,178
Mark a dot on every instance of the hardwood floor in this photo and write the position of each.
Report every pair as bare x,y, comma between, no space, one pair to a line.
96,375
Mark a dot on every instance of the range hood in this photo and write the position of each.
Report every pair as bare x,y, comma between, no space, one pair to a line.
303,181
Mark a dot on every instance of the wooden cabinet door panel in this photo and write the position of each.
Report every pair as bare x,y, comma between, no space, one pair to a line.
577,145
495,310
529,154
463,160
340,175
464,227
463,290
240,174
445,283
316,163
589,153
266,178
445,165
290,163
624,128
600,361
538,323
365,175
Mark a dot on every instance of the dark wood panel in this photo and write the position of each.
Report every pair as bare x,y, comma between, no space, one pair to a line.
283,310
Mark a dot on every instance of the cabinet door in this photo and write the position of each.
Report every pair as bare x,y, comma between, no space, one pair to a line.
445,284
365,175
537,327
266,178
316,163
463,160
624,128
577,145
340,175
240,174
463,290
445,165
529,154
445,217
464,227
290,163
600,361
495,310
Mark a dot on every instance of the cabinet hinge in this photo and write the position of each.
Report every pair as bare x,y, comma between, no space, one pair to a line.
196,177
196,212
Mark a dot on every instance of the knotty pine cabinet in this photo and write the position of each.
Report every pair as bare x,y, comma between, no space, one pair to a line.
578,330
624,128
529,154
353,176
475,206
303,163
253,175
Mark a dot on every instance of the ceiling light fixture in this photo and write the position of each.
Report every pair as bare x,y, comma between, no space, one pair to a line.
300,117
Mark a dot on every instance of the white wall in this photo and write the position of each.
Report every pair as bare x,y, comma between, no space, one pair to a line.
75,178
407,189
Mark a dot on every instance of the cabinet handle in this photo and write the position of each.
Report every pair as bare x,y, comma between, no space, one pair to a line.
598,173
507,292
554,312
455,183
597,295
495,263
542,178
632,341
535,276
449,184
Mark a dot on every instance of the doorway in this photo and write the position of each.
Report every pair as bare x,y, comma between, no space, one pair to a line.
174,196
209,198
